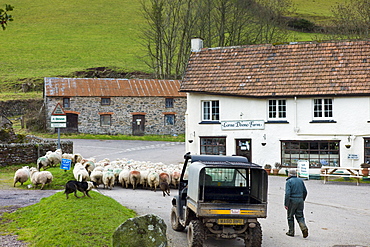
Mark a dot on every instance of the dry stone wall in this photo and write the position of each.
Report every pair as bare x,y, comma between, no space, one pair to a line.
27,153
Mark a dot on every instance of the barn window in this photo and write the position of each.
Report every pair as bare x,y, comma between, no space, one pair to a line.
105,101
105,120
169,102
66,102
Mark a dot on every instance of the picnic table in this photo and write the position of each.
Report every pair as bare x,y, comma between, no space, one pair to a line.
346,172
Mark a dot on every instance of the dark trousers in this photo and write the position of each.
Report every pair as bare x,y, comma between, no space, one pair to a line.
295,208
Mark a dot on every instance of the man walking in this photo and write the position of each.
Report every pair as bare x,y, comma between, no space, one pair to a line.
295,194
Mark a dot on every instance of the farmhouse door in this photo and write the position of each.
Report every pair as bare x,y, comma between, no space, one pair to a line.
244,148
138,125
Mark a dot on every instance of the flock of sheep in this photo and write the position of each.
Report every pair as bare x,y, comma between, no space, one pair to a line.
127,173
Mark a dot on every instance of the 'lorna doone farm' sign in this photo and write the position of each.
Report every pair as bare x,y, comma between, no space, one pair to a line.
242,124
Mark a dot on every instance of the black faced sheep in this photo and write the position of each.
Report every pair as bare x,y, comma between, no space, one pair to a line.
43,178
22,175
43,162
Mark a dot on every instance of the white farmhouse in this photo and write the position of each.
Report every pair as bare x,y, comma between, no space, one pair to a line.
281,103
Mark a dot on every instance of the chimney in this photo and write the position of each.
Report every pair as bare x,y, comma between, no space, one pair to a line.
196,44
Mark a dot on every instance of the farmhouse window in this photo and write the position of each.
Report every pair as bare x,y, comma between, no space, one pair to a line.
277,109
323,108
213,145
318,153
169,102
105,101
66,102
169,119
105,120
210,110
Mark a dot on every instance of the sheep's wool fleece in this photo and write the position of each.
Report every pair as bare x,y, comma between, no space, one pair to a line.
148,230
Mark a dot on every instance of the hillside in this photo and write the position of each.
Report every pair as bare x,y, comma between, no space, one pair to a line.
56,38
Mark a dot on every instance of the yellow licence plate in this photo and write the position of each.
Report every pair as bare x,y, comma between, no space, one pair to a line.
230,221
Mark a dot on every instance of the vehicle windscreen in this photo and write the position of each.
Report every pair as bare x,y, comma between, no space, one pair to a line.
224,185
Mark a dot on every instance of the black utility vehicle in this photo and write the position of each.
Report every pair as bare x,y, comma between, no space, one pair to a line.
220,197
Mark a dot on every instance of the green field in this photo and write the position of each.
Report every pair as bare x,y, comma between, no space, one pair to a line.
56,38
52,38
318,11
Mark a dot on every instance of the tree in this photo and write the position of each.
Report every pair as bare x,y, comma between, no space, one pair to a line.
5,17
352,19
172,23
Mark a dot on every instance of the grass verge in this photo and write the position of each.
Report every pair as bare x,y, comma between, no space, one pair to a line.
55,221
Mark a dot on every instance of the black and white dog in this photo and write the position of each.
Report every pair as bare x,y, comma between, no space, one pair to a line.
73,186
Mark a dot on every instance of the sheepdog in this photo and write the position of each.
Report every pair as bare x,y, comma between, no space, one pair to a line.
73,186
165,187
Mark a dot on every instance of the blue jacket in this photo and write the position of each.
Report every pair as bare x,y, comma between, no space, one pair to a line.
294,188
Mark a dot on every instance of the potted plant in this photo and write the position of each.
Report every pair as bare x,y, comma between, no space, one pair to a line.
277,168
268,168
365,169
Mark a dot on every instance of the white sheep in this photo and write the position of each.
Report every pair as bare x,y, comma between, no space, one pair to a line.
153,180
97,177
124,178
43,177
22,175
54,157
80,173
144,178
108,179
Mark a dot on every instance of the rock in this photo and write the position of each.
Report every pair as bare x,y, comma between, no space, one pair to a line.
148,230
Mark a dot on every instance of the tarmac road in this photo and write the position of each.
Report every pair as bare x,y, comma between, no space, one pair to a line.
337,214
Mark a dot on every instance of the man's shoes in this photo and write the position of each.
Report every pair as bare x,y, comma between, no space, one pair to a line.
290,234
305,233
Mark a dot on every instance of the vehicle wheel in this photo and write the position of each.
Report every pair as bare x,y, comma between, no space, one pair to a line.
195,234
253,236
175,223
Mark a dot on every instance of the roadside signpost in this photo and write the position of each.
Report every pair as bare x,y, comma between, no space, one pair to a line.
66,164
58,120
303,169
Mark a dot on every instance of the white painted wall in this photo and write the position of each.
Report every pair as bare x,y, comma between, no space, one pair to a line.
350,113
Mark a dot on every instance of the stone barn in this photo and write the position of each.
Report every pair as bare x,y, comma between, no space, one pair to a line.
116,106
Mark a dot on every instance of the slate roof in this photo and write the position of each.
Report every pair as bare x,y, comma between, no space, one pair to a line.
106,87
301,69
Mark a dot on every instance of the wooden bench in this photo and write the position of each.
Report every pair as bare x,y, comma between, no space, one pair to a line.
345,172
337,175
